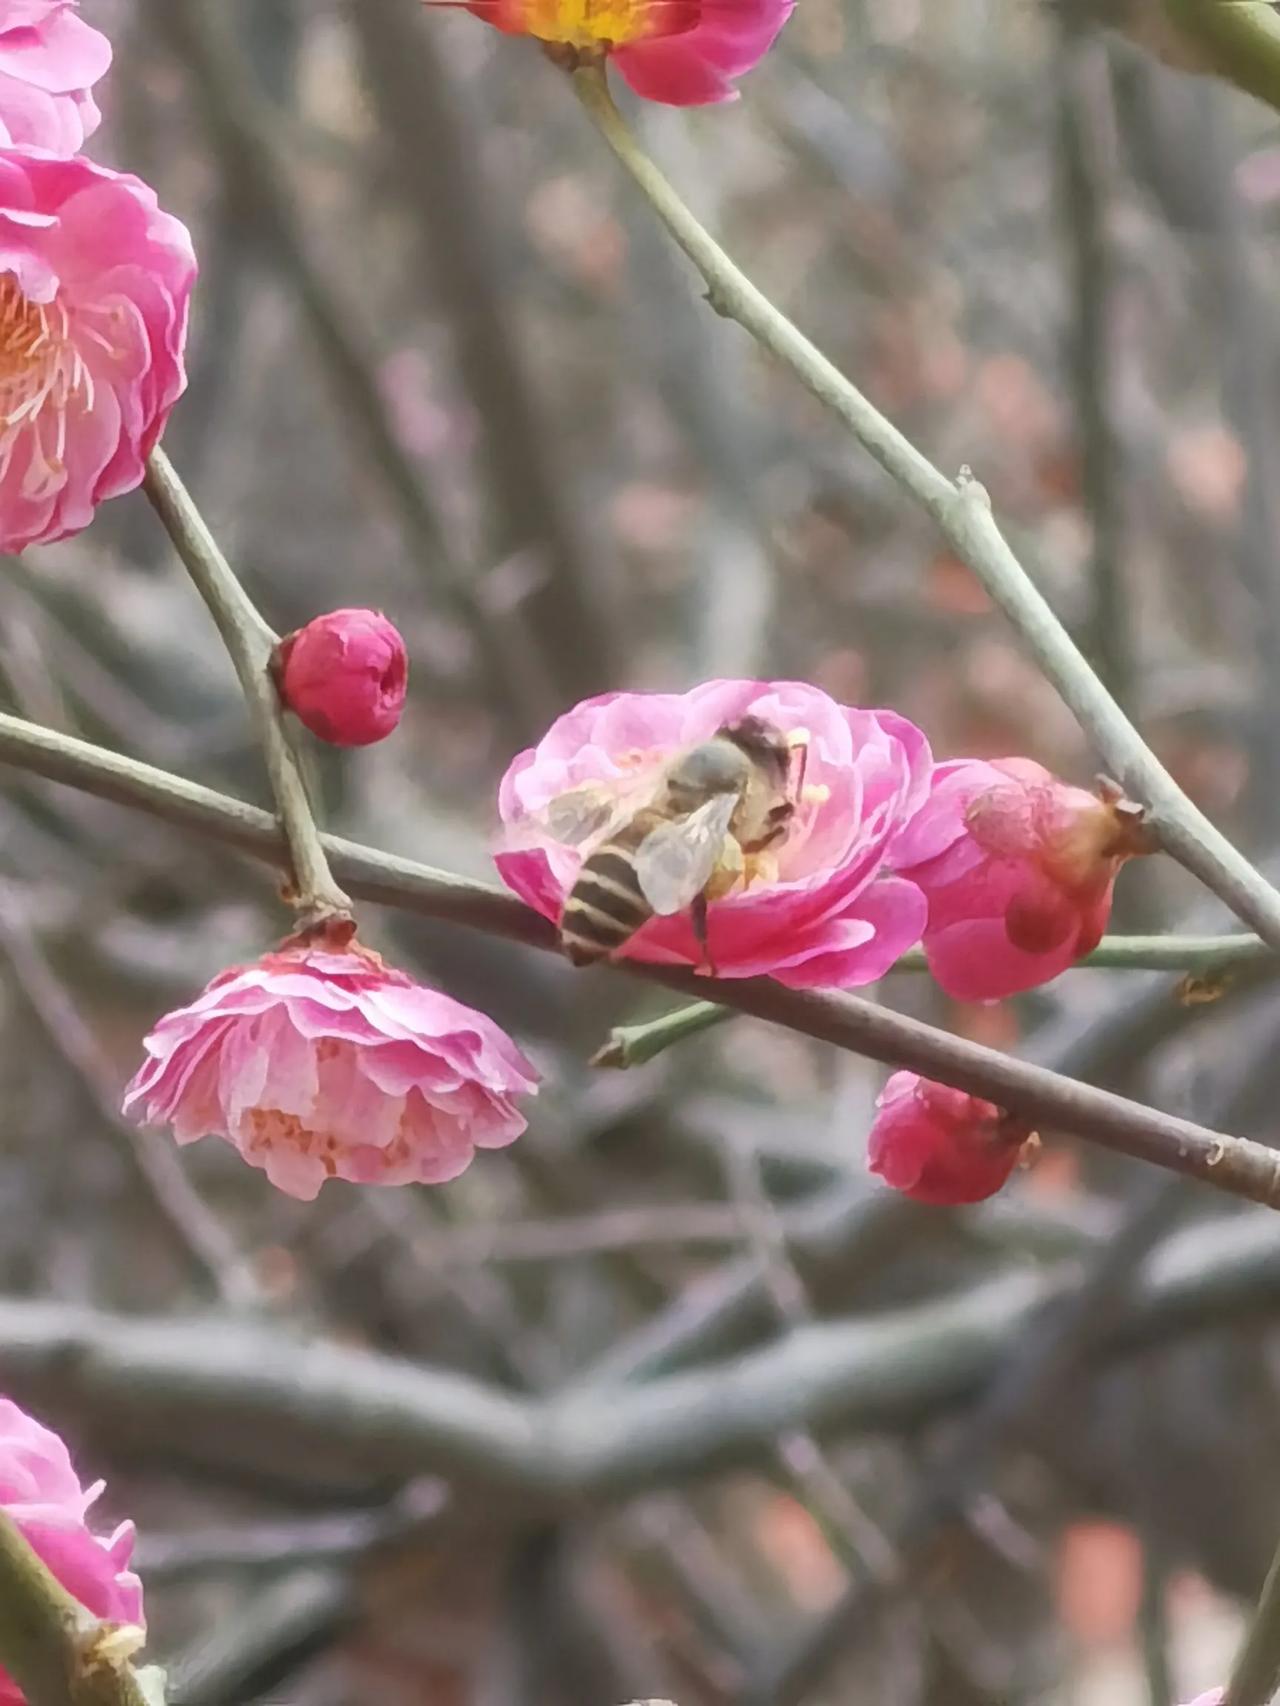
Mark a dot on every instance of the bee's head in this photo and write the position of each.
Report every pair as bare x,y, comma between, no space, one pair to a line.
761,741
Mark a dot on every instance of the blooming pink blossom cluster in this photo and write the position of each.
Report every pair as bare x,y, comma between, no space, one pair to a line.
95,282
1002,872
41,1492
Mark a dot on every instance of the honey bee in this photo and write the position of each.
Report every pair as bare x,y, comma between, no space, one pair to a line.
704,825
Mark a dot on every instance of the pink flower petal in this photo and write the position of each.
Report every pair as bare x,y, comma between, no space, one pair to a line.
318,1064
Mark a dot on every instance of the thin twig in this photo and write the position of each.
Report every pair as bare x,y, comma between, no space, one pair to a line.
250,642
255,173
962,511
1207,959
1255,1676
198,1229
1233,1164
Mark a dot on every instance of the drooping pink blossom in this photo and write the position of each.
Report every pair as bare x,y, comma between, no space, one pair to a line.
41,1492
941,1145
824,914
680,52
344,676
50,58
95,283
1018,869
318,1063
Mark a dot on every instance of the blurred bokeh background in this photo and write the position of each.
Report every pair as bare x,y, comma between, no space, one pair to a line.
443,363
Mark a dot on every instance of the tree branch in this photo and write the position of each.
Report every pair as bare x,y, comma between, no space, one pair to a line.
962,511
219,1385
1233,1164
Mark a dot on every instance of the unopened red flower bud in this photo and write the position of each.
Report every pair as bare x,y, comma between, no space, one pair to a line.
344,676
1018,869
941,1145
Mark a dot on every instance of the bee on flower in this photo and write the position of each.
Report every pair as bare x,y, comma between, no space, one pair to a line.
740,827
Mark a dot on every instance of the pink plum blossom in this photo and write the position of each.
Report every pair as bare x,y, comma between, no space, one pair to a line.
318,1063
941,1145
94,286
1018,869
344,676
681,52
50,58
41,1492
829,916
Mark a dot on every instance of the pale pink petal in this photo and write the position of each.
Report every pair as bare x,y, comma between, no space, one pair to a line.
49,60
320,1064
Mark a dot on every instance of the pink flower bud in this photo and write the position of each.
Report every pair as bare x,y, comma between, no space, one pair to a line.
344,676
1017,868
318,1063
42,1493
940,1145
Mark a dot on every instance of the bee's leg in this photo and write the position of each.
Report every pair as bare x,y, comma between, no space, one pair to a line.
700,930
698,918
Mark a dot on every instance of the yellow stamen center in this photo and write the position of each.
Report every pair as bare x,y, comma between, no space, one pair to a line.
41,374
603,23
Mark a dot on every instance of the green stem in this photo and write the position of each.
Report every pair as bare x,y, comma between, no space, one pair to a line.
1255,1676
1240,40
250,643
633,1045
55,1650
962,511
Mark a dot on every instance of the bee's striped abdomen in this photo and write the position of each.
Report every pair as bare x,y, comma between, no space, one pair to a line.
606,907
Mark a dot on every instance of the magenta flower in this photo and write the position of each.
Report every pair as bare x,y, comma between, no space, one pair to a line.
42,1493
940,1145
344,676
94,287
49,61
1018,868
323,1064
820,913
681,52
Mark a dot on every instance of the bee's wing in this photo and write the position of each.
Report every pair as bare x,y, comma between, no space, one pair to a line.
590,812
674,862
